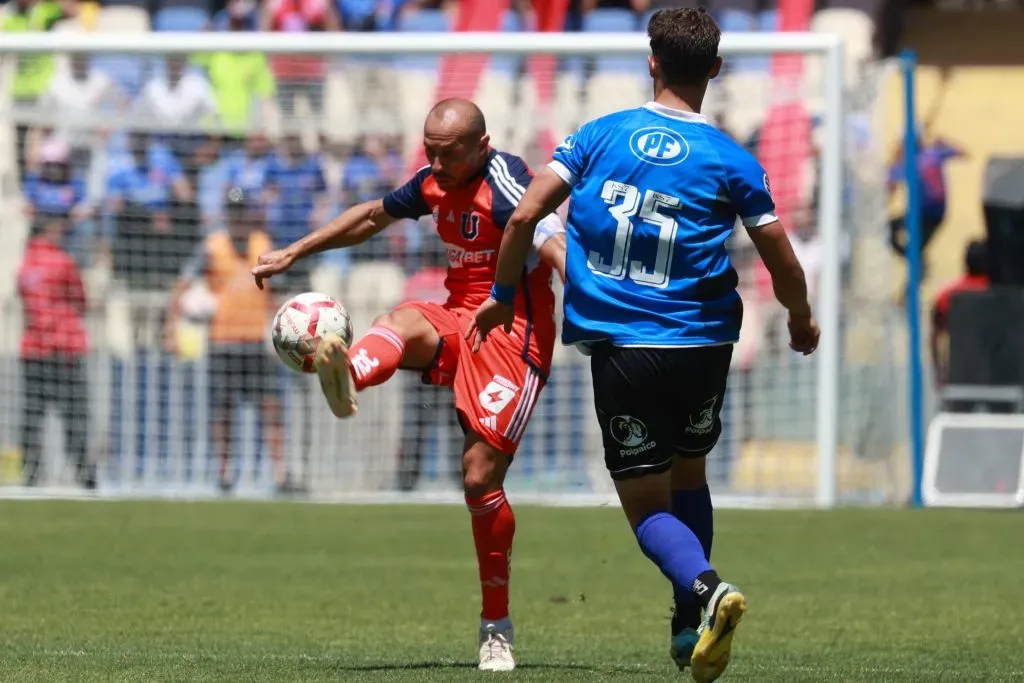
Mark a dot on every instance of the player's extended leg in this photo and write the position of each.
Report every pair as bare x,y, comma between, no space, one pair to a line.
403,338
691,505
494,525
675,549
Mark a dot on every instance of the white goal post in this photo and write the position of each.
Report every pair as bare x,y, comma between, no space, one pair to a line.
367,471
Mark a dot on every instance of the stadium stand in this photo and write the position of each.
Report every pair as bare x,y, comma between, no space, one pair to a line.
182,18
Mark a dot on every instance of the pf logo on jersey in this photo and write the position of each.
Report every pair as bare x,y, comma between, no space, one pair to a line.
659,146
767,186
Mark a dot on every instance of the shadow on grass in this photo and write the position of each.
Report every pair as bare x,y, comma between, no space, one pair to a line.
469,665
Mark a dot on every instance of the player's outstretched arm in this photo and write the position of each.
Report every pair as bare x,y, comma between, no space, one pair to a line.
788,282
545,193
354,226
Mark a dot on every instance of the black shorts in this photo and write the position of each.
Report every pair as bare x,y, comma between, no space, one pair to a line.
243,372
655,404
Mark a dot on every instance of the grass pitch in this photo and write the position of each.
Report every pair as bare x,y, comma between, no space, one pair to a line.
129,591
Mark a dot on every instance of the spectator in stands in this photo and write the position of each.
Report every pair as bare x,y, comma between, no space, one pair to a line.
372,171
177,97
299,75
975,278
242,81
211,181
394,8
638,6
53,349
240,367
52,188
82,97
244,168
375,166
238,15
931,162
296,193
247,168
33,73
358,15
148,198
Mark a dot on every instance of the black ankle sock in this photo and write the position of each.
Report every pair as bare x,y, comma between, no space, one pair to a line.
705,586
685,616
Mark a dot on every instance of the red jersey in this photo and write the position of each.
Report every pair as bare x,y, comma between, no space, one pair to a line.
470,221
53,302
297,16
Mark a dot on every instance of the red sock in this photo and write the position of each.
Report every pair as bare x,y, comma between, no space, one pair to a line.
494,525
375,356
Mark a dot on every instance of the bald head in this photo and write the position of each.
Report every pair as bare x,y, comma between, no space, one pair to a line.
457,117
456,141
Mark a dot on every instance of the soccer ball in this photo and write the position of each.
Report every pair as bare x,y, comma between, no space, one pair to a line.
301,322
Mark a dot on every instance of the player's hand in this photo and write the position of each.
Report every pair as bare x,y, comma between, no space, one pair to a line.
272,263
803,333
490,315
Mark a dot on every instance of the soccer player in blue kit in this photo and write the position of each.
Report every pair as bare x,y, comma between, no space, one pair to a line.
651,296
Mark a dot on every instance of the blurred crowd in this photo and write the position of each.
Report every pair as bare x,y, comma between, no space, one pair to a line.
127,166
139,152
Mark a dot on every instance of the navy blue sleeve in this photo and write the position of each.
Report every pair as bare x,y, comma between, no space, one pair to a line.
508,176
407,201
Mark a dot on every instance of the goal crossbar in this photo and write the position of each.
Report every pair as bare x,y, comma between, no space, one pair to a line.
399,43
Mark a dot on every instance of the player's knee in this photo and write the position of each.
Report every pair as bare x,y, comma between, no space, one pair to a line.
483,469
480,478
409,324
689,474
644,496
386,320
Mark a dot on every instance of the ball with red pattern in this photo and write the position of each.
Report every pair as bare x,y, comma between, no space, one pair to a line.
301,322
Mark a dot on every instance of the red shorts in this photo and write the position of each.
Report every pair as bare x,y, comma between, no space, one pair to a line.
496,389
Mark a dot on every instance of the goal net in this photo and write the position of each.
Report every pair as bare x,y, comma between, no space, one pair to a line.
119,151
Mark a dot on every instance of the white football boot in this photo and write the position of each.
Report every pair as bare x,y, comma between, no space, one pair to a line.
496,646
332,366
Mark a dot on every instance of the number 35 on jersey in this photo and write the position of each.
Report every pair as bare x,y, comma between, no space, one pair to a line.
628,204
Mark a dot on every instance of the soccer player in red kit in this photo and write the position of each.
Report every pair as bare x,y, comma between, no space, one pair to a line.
471,190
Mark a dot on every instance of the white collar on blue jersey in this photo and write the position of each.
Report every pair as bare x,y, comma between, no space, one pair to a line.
676,113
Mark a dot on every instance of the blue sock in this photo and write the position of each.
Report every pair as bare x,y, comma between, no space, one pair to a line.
673,547
692,508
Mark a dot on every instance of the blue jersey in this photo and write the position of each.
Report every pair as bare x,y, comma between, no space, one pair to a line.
656,193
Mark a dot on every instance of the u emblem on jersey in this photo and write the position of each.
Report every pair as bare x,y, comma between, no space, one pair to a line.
470,225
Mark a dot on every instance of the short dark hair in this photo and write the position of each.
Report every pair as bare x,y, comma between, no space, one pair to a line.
685,43
976,258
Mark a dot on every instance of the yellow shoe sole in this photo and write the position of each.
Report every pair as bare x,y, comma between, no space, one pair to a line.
712,652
